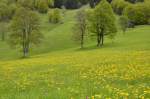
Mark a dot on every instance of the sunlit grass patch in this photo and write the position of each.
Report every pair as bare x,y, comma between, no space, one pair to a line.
78,75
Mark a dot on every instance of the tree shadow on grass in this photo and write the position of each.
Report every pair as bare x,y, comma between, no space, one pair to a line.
106,46
87,48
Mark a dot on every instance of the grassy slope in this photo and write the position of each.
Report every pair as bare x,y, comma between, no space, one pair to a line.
56,37
119,69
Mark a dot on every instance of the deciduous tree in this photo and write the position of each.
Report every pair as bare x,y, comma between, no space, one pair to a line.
55,16
139,13
6,11
25,30
79,29
102,22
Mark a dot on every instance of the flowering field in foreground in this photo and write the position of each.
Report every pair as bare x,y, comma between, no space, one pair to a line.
78,75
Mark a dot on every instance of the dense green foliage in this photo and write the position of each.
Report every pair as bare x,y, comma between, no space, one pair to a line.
101,23
26,3
25,30
138,14
55,16
40,5
6,11
119,6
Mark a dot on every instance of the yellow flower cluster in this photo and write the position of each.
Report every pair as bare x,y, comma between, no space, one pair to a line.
97,75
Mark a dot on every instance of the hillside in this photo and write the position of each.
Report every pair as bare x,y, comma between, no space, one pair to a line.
56,37
58,69
59,37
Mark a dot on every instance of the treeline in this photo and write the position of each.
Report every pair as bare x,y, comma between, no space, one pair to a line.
137,14
73,4
100,22
39,5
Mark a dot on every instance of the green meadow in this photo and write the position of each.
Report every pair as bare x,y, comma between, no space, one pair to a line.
59,69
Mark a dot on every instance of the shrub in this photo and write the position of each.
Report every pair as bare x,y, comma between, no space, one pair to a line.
26,3
42,6
55,16
50,3
6,12
119,5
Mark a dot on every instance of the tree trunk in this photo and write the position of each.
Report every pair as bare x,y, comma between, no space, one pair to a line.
25,43
98,40
25,49
25,53
102,39
3,36
82,41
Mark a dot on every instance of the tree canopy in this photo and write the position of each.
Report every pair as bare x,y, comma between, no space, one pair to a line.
25,30
102,22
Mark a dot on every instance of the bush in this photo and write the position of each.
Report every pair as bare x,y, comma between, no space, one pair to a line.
119,6
50,3
26,3
6,12
138,14
55,16
42,6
